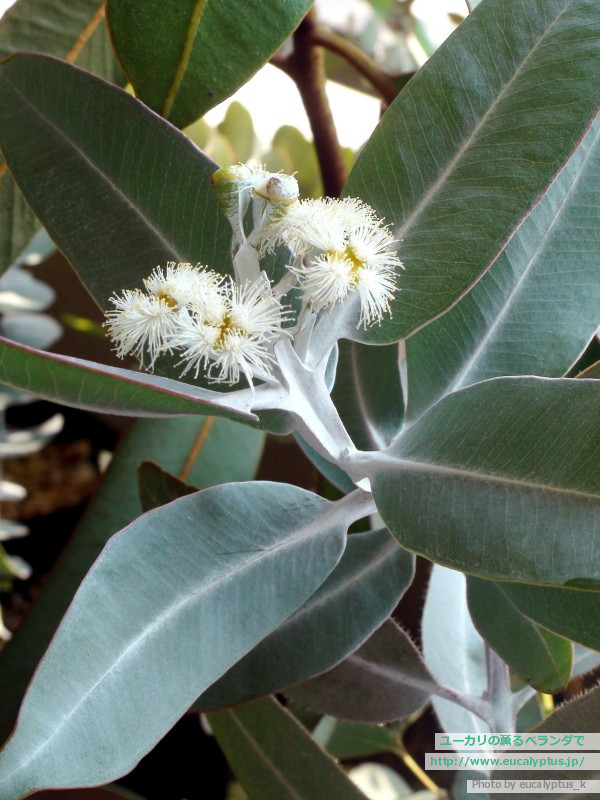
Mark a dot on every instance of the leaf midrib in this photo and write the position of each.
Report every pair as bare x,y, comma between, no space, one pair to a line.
441,180
309,531
293,795
104,177
356,577
186,54
459,379
382,463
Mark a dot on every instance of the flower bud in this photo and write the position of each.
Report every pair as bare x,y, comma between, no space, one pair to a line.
229,183
282,189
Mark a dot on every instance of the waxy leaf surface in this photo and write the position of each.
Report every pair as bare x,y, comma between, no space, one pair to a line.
118,188
97,387
453,649
70,29
356,598
472,143
185,56
383,680
203,578
230,452
501,480
536,309
570,613
541,658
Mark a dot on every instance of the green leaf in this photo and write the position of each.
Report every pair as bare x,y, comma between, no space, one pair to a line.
346,740
472,143
116,504
536,309
84,384
238,128
71,29
185,56
358,596
368,394
567,612
454,651
274,758
383,680
500,480
122,190
541,658
179,580
158,487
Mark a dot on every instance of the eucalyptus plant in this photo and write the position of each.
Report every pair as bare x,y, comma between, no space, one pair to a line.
421,336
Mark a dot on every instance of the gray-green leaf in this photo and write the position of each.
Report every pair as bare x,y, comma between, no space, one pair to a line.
536,309
501,480
274,758
356,598
383,680
205,577
541,658
472,143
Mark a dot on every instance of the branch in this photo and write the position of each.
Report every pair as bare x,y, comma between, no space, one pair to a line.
306,67
362,62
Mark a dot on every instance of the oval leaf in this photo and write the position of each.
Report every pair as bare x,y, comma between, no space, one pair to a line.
570,613
167,441
258,741
180,579
357,597
185,56
382,681
500,480
122,190
454,652
97,387
472,143
70,29
536,309
542,659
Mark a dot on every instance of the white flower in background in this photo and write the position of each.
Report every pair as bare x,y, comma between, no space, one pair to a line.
140,324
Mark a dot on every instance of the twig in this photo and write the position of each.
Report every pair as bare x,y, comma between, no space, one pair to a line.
362,62
416,770
499,693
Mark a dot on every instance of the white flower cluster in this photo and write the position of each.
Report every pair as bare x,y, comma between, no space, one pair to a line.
341,246
228,327
216,324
